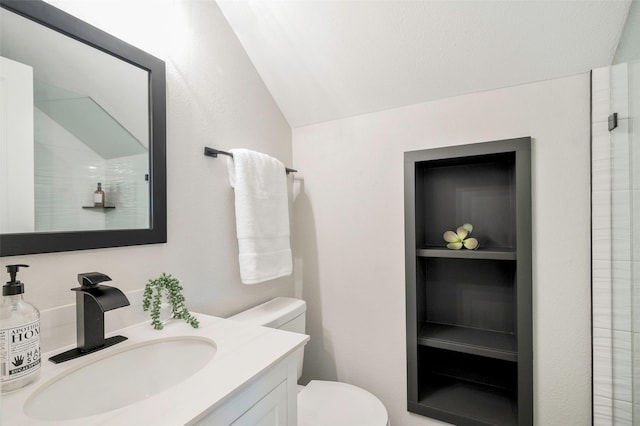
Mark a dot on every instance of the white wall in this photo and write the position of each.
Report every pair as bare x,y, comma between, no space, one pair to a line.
214,97
349,237
16,149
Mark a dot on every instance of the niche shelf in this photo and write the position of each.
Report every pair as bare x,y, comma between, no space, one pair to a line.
469,315
103,208
489,343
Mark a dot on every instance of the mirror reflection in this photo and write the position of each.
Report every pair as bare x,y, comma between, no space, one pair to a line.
73,118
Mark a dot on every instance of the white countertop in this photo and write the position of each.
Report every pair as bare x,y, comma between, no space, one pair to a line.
243,352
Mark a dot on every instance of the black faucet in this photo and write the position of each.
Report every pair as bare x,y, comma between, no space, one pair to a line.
92,301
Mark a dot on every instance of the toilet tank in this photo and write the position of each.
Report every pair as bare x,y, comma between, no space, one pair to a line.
284,313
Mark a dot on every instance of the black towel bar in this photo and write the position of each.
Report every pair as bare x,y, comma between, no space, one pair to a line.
211,152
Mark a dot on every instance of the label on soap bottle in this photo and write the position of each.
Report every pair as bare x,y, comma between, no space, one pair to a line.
19,351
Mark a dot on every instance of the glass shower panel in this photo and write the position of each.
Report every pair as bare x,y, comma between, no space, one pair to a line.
625,244
634,139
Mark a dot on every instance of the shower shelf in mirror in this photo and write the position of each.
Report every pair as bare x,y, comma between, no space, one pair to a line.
107,208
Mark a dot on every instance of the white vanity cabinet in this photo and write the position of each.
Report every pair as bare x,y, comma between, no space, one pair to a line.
251,379
267,400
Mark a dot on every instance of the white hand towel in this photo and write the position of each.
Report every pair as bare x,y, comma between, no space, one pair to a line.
262,215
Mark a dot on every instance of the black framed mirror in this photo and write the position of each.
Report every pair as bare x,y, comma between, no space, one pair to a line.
97,114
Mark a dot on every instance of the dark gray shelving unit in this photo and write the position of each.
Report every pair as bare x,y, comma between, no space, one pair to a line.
469,315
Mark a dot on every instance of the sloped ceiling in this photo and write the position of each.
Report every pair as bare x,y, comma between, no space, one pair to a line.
628,49
325,60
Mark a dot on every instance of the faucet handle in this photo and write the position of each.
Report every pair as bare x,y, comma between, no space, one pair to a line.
92,279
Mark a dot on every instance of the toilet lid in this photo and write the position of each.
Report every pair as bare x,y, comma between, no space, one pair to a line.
324,403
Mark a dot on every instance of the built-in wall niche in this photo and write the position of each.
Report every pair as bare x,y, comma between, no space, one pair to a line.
457,189
475,389
481,297
469,324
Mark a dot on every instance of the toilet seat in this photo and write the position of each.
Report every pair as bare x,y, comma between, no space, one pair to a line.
323,403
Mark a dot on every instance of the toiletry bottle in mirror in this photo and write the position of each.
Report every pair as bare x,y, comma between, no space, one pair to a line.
98,196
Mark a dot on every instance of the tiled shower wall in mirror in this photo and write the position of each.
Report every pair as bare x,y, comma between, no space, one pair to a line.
66,175
616,245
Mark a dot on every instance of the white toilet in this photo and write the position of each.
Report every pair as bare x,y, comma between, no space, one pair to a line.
320,403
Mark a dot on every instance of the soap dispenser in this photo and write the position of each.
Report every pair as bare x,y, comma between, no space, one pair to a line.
19,336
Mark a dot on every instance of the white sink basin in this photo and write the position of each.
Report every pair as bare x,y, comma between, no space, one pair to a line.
120,378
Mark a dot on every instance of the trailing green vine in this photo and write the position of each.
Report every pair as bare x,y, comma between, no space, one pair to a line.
153,297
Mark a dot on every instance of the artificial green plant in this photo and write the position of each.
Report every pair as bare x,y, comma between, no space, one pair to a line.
152,299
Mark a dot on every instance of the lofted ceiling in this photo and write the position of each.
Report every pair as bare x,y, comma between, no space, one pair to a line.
331,59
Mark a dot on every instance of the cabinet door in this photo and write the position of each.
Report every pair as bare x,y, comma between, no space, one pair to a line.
268,400
269,411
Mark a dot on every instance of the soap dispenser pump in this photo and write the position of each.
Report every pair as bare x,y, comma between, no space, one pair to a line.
19,336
